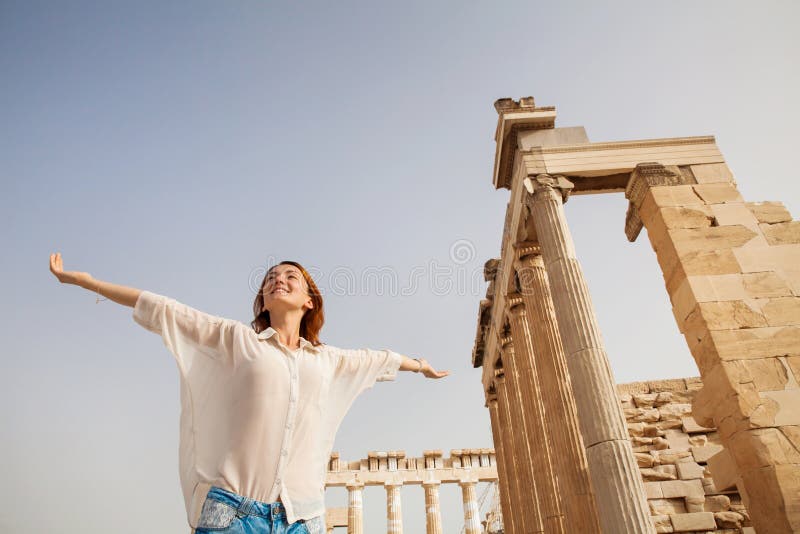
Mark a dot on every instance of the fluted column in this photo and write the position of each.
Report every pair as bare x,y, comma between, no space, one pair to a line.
433,513
615,475
355,508
472,520
529,512
534,416
514,522
394,510
561,418
505,464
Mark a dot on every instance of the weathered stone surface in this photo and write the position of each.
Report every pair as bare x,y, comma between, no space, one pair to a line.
650,475
690,426
712,173
693,522
687,240
785,233
717,193
662,523
674,411
781,311
645,400
769,212
702,454
643,460
653,490
723,470
682,488
734,214
766,284
724,315
667,506
717,503
695,504
690,470
728,519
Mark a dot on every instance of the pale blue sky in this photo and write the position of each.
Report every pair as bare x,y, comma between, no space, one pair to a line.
179,147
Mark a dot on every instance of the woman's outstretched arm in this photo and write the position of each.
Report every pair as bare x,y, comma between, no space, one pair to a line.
421,366
124,295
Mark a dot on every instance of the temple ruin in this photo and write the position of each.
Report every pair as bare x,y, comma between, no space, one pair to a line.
572,455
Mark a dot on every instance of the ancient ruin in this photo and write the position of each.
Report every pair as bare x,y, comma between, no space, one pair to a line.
570,456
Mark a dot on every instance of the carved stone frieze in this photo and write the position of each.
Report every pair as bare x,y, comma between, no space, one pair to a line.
643,177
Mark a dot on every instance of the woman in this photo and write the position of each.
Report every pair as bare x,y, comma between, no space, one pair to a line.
260,404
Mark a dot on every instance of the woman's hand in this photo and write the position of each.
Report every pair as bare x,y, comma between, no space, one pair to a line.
429,372
67,277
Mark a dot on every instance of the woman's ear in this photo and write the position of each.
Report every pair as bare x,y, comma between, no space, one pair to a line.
309,305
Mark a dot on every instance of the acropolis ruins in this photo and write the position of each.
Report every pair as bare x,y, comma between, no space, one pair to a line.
573,451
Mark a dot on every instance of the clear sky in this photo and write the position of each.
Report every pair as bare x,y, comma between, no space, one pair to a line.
182,146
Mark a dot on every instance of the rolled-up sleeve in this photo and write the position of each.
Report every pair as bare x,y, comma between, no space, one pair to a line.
186,330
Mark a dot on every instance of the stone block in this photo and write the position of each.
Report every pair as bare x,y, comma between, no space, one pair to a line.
687,240
662,523
718,193
686,217
782,311
698,440
745,344
644,459
717,503
693,522
765,285
694,504
690,426
785,233
728,519
669,196
723,470
786,405
667,506
682,488
690,470
668,456
677,440
652,475
768,258
769,212
645,400
674,411
711,173
653,490
734,214
702,454
660,444
725,315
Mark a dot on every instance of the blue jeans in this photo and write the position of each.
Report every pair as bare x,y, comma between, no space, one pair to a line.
225,512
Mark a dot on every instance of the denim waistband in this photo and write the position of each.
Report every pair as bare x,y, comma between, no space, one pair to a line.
246,505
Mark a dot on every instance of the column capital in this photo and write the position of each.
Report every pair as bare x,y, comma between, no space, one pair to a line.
546,183
392,483
354,485
643,177
526,249
514,304
431,484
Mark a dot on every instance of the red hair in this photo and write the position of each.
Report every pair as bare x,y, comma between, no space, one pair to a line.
312,320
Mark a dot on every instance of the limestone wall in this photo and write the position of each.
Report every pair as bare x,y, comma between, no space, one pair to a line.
672,451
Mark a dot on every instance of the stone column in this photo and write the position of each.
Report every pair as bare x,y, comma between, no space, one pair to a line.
355,508
505,464
534,416
618,486
472,519
433,513
394,510
732,272
506,471
528,511
561,418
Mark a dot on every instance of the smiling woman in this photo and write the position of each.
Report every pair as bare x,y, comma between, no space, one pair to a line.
260,404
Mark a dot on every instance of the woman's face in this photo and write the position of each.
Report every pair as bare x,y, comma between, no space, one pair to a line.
285,288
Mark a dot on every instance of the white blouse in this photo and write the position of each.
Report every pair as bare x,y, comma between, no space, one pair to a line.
257,418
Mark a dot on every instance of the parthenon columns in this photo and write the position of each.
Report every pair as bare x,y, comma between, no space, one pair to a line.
561,419
732,271
614,472
472,520
533,415
355,508
508,431
433,512
505,463
532,520
394,510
